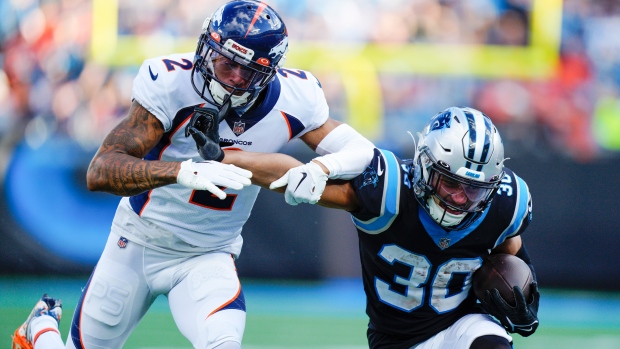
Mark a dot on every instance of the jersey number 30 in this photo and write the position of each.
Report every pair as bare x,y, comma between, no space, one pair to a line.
449,285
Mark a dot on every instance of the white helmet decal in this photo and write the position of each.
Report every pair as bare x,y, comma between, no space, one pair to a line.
280,49
239,49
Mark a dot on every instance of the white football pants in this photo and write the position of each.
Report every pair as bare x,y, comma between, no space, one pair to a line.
203,292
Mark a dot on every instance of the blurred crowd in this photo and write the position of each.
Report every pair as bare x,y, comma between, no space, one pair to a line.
49,86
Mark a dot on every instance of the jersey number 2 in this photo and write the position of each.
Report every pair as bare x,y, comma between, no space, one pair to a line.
205,199
449,286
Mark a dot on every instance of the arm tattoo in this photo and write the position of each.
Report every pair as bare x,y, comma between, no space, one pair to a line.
118,167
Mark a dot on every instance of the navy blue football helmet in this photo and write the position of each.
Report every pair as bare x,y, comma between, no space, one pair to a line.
241,47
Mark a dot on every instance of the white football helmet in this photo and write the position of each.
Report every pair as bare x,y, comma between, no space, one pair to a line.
459,164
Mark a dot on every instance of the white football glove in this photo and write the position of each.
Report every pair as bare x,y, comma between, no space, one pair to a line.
304,184
207,175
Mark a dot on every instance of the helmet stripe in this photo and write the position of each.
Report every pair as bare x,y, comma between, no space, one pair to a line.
259,10
479,137
471,123
487,139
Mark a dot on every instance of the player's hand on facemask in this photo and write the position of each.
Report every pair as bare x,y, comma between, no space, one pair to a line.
304,184
204,128
522,318
208,175
207,148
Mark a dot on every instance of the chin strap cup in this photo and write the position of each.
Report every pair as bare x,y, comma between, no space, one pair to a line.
442,216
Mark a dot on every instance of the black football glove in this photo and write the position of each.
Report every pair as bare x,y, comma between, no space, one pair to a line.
522,318
204,128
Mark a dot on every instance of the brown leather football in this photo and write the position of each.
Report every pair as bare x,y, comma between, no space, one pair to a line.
503,271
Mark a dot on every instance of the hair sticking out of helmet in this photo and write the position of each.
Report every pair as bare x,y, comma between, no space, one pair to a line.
459,164
241,46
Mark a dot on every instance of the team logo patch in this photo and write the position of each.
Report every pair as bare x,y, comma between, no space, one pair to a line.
239,127
444,242
280,49
122,242
440,121
370,177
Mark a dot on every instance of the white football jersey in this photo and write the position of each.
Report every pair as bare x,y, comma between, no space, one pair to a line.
176,218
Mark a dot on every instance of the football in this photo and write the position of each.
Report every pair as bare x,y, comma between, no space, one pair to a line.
503,271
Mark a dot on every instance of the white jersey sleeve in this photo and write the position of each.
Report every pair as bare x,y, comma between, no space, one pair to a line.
158,85
321,110
302,97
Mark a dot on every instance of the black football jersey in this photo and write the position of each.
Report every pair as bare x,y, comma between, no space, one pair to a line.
417,275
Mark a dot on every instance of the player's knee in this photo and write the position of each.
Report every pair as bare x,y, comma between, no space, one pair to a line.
222,330
104,314
490,342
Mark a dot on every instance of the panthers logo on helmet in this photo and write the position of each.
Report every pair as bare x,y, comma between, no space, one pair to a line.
440,121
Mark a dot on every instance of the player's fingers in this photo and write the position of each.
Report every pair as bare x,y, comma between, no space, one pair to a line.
229,183
238,181
290,199
497,299
214,190
488,303
519,297
534,287
240,171
535,293
198,136
280,182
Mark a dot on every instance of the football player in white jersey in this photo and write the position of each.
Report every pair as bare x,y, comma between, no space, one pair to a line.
177,229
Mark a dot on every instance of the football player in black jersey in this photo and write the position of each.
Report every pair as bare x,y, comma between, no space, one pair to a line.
424,227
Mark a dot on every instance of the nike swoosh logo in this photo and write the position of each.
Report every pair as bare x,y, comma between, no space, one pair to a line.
304,175
153,76
379,169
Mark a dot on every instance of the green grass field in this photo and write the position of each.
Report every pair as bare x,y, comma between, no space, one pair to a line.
330,314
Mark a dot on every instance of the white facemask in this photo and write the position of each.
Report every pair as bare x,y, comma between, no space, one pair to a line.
219,93
437,212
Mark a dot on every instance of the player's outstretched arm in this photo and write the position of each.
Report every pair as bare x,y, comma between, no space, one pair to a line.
266,168
345,155
118,168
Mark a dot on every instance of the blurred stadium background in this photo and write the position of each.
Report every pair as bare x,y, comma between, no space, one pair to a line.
546,71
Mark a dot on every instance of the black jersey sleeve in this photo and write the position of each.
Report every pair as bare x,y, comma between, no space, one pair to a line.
378,191
513,196
368,187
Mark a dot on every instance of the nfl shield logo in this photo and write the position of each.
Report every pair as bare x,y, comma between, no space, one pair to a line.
122,242
239,127
444,242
